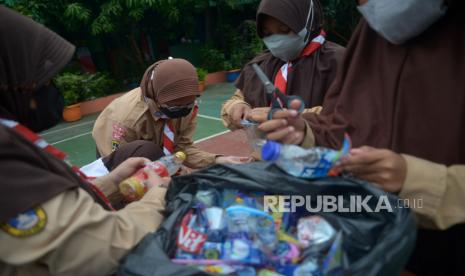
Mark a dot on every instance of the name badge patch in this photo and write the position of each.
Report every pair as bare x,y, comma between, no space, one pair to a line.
26,224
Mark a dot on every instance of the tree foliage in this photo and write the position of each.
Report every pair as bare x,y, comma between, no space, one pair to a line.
227,26
109,16
341,17
104,16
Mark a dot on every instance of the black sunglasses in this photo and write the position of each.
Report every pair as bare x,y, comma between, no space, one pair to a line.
178,108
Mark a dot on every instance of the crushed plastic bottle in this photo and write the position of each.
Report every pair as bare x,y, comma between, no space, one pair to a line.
305,163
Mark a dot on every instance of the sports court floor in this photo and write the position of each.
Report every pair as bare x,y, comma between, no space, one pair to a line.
76,139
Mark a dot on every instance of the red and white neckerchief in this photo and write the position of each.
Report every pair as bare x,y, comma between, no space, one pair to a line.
168,133
42,144
168,138
280,80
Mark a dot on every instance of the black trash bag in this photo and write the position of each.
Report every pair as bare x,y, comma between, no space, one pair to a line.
375,243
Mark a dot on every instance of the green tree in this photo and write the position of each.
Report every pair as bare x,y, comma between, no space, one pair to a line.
341,18
123,21
120,17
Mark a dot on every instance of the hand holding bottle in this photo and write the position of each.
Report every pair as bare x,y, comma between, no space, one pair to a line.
134,187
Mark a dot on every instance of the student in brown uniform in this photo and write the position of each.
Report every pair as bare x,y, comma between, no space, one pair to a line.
52,221
400,95
163,111
300,61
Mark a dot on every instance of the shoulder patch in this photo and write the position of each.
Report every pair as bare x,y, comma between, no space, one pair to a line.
26,224
118,131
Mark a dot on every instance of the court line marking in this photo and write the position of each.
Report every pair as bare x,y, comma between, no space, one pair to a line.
209,117
71,138
65,128
196,141
90,132
91,122
211,136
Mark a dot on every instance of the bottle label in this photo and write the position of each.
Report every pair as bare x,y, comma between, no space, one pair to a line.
132,188
160,169
190,240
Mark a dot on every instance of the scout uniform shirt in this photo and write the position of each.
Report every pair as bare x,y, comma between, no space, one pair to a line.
69,233
128,119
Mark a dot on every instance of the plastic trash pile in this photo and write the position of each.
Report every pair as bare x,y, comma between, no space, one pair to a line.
227,232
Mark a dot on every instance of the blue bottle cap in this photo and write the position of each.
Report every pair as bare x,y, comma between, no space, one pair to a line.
271,151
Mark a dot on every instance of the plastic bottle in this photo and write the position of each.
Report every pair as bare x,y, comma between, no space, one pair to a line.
255,138
134,187
304,163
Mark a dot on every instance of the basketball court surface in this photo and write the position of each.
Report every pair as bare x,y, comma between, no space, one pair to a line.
76,138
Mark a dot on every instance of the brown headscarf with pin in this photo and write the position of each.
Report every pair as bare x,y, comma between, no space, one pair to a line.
168,80
30,55
312,75
409,98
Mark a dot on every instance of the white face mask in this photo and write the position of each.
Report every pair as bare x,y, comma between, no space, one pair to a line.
287,47
400,20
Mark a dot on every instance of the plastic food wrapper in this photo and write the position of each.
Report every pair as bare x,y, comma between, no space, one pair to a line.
208,197
286,252
255,224
267,272
212,251
314,230
219,269
308,269
285,237
288,221
242,250
232,197
245,271
191,240
333,263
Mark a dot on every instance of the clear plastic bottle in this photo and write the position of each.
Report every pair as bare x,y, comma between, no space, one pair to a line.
256,138
305,163
134,187
168,165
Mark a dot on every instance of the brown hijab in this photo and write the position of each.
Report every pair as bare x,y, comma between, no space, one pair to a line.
167,80
30,55
312,75
410,99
